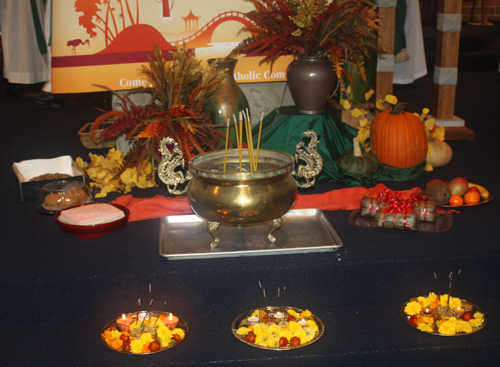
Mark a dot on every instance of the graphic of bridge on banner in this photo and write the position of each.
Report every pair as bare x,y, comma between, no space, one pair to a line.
203,37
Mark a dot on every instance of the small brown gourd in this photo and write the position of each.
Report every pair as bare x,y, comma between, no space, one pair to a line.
357,163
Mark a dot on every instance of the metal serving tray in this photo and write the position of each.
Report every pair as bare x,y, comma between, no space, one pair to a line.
184,237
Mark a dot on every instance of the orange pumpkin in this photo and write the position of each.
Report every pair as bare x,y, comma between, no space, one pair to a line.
398,138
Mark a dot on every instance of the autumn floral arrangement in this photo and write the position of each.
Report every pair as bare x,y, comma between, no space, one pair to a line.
365,117
179,87
343,30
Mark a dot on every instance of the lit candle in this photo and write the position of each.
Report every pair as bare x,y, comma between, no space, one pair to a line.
253,320
171,321
124,322
302,322
279,315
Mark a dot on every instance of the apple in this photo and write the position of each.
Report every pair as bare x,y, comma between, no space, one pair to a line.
474,189
458,186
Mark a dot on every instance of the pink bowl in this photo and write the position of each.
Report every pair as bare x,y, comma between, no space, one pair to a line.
96,230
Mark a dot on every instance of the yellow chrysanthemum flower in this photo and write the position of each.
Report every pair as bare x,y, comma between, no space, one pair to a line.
477,320
455,302
425,327
463,327
116,334
136,345
306,314
179,332
447,327
293,313
164,334
413,308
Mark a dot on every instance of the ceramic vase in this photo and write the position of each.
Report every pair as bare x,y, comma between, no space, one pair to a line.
229,100
311,80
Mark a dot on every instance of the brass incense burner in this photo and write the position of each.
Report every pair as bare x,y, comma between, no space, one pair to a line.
237,197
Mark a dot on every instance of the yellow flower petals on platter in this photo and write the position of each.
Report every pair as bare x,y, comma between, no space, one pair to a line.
306,314
477,320
116,343
448,327
455,302
179,332
164,334
346,105
463,327
136,345
425,327
413,308
293,313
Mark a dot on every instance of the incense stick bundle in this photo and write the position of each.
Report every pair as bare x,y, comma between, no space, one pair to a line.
253,158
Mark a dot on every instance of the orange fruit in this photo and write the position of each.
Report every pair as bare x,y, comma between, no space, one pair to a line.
456,200
472,197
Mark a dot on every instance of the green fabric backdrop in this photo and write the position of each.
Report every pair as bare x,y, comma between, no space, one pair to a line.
282,130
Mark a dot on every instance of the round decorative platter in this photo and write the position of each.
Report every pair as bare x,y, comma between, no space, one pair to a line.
273,323
433,317
96,230
130,342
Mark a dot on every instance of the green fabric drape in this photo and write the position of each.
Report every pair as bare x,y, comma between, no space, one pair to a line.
282,130
40,38
399,32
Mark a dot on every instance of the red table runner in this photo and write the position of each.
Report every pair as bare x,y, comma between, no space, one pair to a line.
342,199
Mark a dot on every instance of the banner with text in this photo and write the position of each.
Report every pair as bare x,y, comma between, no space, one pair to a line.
105,43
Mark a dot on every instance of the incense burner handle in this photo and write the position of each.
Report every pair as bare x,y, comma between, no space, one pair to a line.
313,160
167,169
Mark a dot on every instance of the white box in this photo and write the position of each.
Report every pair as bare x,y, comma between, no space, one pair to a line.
28,169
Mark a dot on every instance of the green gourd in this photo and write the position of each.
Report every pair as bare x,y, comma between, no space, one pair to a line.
357,163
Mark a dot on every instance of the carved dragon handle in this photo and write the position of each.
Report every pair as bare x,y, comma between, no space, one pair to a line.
313,160
167,169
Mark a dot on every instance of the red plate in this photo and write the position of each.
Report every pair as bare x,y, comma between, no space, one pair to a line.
93,231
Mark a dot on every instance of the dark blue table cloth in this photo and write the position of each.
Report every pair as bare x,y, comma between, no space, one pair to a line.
57,291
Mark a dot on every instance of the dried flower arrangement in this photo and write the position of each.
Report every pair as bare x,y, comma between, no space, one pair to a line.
340,31
180,87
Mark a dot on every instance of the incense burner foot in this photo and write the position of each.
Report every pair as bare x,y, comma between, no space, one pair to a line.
213,229
277,223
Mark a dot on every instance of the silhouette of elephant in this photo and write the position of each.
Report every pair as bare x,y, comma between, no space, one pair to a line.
75,43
